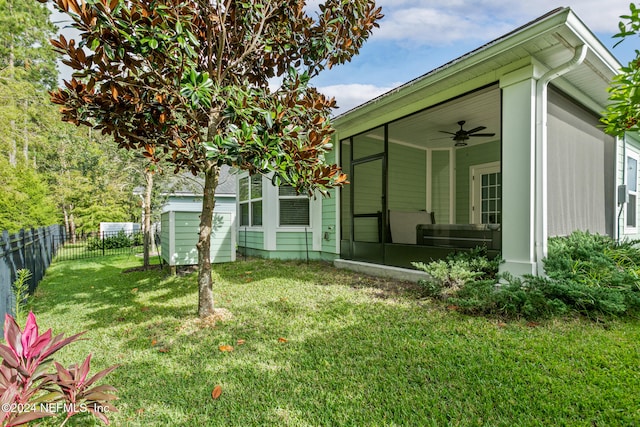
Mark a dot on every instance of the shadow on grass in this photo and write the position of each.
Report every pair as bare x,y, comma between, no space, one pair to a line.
113,293
376,364
108,295
324,347
321,273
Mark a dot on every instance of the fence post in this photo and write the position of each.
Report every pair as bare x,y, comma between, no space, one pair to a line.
32,255
23,250
5,274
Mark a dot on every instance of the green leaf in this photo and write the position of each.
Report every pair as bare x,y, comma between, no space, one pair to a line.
268,119
108,51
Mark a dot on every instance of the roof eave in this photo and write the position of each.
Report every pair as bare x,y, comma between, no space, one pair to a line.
555,20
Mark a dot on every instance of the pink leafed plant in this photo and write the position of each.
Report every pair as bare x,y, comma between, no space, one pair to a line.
29,392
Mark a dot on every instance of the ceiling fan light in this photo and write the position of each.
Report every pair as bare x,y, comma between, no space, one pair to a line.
460,143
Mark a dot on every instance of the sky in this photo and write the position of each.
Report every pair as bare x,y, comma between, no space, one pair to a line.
417,36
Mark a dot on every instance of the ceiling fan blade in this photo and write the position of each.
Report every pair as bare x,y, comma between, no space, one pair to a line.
474,130
450,133
483,134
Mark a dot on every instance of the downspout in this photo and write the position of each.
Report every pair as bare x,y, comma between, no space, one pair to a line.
541,194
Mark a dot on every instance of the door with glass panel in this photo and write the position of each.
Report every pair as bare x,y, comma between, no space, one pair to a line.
486,195
368,209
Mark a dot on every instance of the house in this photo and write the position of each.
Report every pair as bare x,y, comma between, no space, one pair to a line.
184,192
180,220
501,147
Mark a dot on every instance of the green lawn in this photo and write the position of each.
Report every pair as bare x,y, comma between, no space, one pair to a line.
358,352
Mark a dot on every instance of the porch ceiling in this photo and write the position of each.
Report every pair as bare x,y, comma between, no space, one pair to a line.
480,108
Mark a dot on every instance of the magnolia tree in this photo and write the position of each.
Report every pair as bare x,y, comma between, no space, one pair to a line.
623,114
189,81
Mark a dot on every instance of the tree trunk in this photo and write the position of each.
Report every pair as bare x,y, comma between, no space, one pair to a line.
72,225
13,153
146,226
205,281
25,134
66,218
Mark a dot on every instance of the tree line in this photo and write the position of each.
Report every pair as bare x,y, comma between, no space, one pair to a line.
53,172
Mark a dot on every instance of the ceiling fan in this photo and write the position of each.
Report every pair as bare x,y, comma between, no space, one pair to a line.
461,136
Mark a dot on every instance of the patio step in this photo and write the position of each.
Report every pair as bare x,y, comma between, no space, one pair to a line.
379,270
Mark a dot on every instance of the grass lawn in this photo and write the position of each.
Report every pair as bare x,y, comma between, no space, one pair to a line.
321,347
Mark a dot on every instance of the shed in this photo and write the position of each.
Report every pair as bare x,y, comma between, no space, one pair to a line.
180,221
180,235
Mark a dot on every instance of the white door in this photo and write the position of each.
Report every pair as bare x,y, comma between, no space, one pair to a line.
486,193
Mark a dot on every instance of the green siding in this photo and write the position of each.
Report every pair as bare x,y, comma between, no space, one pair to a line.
164,239
250,239
407,178
294,241
294,255
345,194
465,158
369,143
329,222
367,199
441,185
185,236
222,249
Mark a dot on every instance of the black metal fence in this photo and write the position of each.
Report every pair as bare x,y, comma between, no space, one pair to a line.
36,248
93,245
33,250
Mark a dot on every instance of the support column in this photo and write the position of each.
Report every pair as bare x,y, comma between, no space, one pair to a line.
518,171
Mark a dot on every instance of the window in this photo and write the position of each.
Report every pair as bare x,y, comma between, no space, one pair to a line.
632,187
491,198
294,208
250,200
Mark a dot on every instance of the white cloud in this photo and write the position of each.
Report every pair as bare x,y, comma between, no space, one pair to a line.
440,22
436,27
349,96
442,26
598,15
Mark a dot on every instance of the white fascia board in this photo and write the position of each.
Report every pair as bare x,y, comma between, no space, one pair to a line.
469,60
606,58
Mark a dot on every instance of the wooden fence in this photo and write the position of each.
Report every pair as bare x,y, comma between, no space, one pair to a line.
31,249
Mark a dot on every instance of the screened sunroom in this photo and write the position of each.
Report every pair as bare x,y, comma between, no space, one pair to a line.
426,184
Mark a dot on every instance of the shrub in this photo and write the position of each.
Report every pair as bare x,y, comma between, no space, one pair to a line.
120,240
513,298
587,273
593,260
137,239
21,293
448,276
28,392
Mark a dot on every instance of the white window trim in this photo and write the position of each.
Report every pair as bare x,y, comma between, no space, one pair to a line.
248,202
634,155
